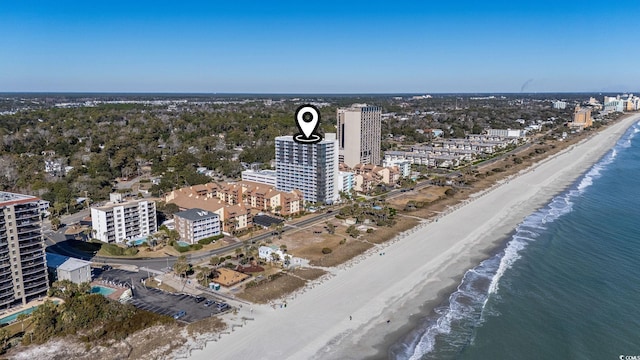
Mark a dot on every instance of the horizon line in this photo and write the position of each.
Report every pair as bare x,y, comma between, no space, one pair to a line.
309,93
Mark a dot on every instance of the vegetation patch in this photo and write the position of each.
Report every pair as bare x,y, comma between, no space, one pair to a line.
91,317
210,239
383,234
273,288
208,325
308,273
115,250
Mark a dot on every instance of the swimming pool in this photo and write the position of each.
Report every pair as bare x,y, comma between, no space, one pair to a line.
104,291
182,243
137,242
13,317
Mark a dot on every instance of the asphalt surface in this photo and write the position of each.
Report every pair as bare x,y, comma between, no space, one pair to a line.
161,302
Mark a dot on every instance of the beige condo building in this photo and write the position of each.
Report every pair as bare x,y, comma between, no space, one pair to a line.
23,267
359,134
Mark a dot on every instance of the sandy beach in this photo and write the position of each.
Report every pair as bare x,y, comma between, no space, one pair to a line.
353,312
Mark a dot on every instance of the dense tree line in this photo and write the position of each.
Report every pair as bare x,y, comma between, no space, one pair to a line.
105,142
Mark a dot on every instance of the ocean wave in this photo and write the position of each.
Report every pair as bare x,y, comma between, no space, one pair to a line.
467,306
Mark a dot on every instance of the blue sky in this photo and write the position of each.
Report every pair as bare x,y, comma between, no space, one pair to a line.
319,47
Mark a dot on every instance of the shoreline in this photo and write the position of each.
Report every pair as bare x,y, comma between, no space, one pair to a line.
431,257
426,308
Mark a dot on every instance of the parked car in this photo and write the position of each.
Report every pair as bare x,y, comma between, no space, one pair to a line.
209,302
179,314
222,306
200,299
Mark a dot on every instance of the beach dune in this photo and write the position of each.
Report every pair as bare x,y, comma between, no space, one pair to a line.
348,315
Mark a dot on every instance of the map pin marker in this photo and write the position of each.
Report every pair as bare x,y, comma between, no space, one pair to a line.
307,120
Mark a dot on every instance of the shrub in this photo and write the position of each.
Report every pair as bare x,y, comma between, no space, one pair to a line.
274,276
196,246
342,242
326,250
369,231
180,248
115,250
210,239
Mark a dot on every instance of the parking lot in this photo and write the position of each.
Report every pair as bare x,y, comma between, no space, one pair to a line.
161,302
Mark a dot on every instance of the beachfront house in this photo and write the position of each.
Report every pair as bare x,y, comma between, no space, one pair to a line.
265,253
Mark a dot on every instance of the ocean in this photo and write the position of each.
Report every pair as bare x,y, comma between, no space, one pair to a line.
565,286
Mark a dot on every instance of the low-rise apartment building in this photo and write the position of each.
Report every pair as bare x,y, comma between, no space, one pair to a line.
196,224
232,217
268,198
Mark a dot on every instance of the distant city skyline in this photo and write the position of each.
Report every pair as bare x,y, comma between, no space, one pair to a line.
328,47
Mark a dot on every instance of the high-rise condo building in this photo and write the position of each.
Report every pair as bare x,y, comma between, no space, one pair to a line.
23,269
120,220
359,134
310,168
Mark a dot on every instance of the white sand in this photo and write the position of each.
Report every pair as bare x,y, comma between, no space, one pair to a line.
376,288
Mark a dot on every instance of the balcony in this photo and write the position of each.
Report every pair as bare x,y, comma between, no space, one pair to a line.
24,258
34,284
29,243
29,236
32,250
27,212
5,277
33,275
37,265
5,286
28,229
6,298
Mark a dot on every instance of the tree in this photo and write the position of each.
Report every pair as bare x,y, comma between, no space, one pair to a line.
202,276
275,257
55,222
173,235
181,265
352,231
214,261
283,247
331,229
5,335
287,260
